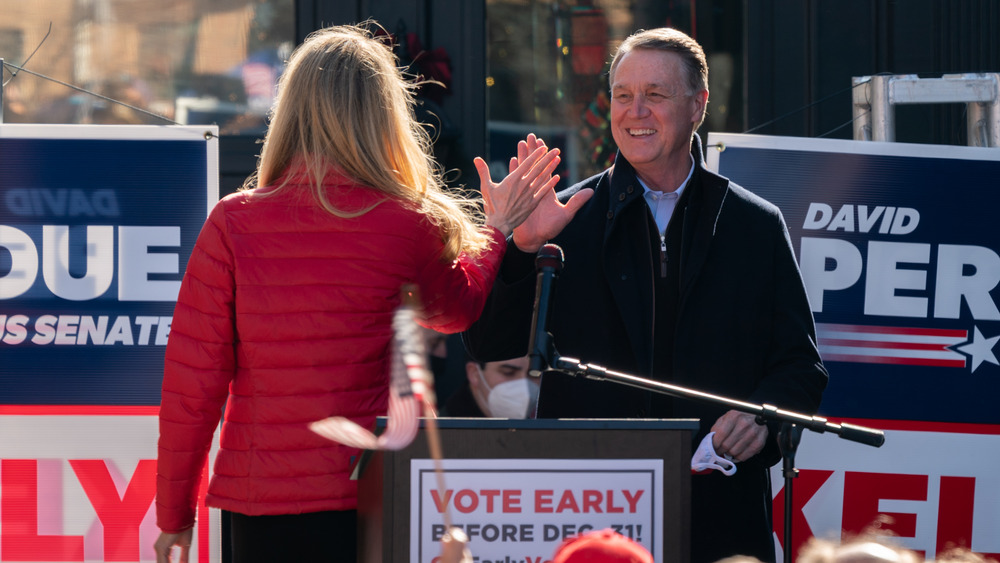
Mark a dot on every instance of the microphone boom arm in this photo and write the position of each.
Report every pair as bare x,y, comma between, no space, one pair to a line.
764,413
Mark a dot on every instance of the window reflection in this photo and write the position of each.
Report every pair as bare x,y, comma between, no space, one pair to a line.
190,61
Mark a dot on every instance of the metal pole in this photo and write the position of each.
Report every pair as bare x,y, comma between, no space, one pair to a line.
883,113
1,90
862,108
993,115
976,124
983,114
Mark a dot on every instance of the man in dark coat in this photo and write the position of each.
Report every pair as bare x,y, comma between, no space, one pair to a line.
675,274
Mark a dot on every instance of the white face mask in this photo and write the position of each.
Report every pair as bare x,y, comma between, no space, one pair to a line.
705,458
511,399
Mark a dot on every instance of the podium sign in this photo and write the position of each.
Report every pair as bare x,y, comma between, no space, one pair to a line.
518,488
522,509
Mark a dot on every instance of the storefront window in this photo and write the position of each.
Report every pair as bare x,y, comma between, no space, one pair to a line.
548,62
190,61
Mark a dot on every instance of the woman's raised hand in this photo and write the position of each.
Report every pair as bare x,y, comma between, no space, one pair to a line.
551,216
510,202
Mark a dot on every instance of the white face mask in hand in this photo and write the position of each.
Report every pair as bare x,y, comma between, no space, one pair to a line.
705,458
510,399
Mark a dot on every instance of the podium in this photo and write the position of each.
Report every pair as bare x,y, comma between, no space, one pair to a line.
518,487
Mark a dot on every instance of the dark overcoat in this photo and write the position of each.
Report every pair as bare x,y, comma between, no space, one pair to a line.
744,328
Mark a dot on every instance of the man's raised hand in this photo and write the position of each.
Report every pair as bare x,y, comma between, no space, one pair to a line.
550,216
508,203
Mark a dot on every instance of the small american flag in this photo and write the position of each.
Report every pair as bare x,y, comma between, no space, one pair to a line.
411,385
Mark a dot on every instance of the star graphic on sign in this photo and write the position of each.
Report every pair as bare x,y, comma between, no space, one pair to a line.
981,349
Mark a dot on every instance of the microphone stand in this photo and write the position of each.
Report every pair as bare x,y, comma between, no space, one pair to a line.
544,357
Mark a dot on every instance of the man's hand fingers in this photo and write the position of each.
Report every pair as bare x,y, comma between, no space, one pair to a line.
534,166
576,202
542,173
526,164
546,188
738,435
552,164
746,446
523,151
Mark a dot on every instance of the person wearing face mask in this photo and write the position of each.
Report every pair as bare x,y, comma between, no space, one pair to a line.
495,390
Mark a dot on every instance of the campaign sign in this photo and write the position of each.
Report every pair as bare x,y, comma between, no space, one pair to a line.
932,485
900,257
521,510
96,226
79,483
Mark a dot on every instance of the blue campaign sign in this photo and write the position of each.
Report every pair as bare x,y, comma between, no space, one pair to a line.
900,255
96,226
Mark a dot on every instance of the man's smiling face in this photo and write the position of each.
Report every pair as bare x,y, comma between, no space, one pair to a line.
653,115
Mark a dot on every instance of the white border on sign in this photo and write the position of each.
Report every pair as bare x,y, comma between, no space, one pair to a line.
928,450
119,437
718,142
603,477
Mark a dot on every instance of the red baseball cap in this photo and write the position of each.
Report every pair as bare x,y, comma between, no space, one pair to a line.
604,546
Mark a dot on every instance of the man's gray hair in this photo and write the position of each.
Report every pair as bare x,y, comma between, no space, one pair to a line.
670,40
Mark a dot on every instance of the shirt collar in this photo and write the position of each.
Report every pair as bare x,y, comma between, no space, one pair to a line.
652,195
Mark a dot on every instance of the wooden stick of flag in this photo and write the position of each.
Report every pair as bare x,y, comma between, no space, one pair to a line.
411,386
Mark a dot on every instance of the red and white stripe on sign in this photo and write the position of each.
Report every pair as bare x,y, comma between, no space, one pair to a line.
891,345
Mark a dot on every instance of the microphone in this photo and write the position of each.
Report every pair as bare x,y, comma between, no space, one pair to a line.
548,263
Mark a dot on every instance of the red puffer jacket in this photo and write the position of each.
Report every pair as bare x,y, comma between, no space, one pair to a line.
285,311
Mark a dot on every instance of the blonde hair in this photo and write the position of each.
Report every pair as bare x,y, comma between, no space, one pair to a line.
344,105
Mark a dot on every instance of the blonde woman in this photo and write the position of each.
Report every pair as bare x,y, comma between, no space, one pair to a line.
284,314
